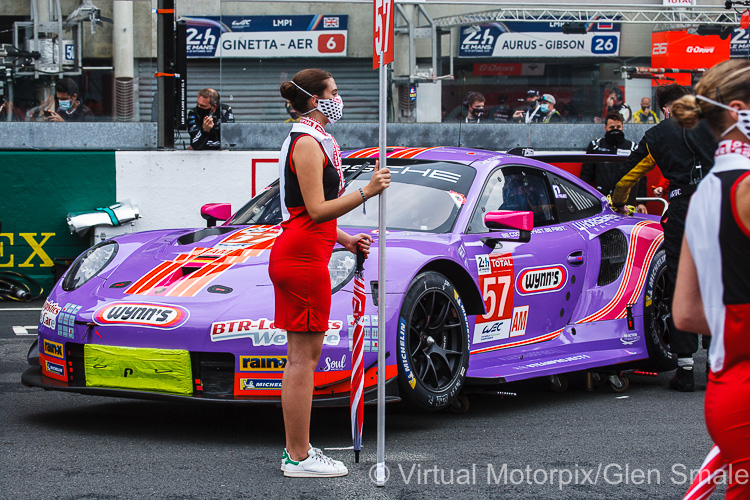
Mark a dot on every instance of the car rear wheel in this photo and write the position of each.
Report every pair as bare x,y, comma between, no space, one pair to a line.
657,316
433,343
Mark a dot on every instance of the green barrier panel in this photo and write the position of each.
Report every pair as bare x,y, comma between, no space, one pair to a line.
37,190
163,370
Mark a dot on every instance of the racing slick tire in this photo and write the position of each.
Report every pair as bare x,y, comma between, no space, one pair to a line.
433,343
656,316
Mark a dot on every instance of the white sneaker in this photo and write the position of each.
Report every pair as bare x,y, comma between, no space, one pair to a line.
315,465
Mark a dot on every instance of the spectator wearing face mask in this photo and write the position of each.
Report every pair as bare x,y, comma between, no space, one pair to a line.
645,115
474,103
69,107
604,176
548,111
204,122
530,113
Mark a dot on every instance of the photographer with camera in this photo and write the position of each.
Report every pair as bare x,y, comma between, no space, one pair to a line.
204,121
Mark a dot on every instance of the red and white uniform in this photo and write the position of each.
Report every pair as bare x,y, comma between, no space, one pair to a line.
720,246
298,264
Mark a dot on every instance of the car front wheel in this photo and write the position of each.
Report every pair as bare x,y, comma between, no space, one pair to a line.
433,343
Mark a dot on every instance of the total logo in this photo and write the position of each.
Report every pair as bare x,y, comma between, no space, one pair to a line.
697,49
541,280
141,314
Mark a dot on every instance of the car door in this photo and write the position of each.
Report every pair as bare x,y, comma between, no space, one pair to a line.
529,289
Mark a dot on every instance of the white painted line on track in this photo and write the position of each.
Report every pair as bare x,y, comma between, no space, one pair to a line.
345,448
622,397
20,309
24,330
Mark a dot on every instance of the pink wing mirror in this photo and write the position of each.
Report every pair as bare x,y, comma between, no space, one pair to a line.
213,212
508,219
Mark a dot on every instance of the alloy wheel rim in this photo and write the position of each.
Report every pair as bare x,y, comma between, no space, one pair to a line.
434,342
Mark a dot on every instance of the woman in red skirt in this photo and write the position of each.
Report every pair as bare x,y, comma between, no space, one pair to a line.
712,295
312,198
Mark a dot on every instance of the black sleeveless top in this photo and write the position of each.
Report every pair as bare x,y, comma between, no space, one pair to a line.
292,191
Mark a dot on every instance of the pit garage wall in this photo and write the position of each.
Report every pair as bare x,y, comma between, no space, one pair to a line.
40,188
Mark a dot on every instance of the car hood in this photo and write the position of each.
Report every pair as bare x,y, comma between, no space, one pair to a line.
226,262
189,263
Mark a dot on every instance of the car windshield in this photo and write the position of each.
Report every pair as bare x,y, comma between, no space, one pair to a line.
424,196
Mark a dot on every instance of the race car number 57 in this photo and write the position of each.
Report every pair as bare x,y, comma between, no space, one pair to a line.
496,282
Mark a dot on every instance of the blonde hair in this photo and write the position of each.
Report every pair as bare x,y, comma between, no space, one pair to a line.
725,82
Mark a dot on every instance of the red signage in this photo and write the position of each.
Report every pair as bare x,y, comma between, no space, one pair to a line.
499,69
680,49
382,32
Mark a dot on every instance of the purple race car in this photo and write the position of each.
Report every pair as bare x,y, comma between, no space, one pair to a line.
499,268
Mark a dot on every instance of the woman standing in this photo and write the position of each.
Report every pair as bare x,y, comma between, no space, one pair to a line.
714,269
312,186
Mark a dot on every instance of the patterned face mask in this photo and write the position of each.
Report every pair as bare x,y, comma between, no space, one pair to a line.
743,119
332,109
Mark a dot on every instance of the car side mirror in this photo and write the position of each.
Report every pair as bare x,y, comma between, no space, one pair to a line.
213,212
509,219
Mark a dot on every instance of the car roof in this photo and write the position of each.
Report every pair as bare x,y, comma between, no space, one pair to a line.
480,159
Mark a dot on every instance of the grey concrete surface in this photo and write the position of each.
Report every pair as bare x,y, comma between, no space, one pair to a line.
636,445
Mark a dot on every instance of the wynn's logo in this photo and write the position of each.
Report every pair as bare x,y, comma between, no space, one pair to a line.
541,280
141,314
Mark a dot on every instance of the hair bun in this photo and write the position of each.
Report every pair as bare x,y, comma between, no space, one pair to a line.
288,91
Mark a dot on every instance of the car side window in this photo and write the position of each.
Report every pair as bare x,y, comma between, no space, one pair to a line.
518,189
573,202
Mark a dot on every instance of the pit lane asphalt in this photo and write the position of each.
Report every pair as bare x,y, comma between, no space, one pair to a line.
69,446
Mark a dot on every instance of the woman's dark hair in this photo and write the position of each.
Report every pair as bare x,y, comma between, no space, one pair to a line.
312,80
725,82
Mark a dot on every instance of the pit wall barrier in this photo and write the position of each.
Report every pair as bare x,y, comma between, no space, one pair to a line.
169,187
38,190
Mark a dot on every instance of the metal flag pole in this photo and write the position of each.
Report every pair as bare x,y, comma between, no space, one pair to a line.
382,115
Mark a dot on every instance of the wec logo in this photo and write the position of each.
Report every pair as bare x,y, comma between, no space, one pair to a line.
541,280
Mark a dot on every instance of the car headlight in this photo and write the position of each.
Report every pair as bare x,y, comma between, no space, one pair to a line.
89,264
341,268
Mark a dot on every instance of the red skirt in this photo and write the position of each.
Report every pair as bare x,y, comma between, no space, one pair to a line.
727,410
298,268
